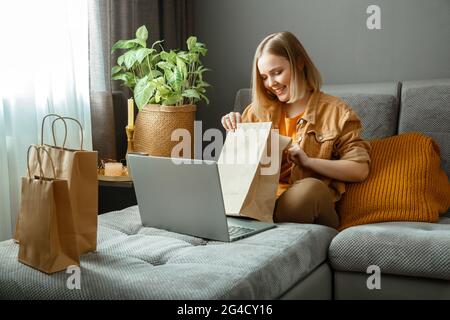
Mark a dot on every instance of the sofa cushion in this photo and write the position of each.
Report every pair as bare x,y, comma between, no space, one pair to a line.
406,183
133,262
377,105
378,114
425,107
415,249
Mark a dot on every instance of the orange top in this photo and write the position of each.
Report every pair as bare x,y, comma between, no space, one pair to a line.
288,128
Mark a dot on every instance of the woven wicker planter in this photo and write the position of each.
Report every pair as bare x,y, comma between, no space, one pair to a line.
155,124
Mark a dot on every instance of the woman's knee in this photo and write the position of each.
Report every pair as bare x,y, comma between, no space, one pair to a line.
304,202
293,205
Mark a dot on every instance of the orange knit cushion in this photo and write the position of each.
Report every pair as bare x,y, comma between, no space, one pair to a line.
405,183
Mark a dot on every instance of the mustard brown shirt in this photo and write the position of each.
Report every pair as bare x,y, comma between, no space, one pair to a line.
328,129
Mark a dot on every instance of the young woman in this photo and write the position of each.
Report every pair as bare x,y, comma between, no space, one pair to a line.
326,150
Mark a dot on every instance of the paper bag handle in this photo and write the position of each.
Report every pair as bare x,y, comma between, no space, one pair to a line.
38,148
68,118
54,138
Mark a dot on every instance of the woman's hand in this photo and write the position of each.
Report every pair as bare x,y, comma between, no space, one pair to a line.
296,155
230,120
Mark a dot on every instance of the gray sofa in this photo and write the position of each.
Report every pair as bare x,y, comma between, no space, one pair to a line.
292,261
414,258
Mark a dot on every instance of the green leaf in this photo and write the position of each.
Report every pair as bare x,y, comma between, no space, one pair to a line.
165,65
140,42
192,57
170,57
185,56
202,69
127,78
200,48
142,53
182,67
164,55
177,79
164,90
191,41
120,76
157,96
205,98
191,93
168,74
203,51
123,44
143,91
200,72
116,69
129,59
203,84
159,81
142,33
120,60
155,59
172,100
154,74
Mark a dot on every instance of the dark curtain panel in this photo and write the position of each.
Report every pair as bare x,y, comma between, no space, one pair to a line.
112,20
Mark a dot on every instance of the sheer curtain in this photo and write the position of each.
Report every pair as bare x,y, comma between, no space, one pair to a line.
44,69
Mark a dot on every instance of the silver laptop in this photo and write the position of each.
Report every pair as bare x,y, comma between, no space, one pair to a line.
186,198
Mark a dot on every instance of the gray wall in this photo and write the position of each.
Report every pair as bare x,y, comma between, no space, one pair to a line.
414,42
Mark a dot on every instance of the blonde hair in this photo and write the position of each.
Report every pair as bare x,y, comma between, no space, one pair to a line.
303,71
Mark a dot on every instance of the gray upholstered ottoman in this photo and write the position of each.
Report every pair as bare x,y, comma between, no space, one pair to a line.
413,257
133,262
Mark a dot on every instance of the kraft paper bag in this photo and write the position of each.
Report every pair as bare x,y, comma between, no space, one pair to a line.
249,169
47,233
79,168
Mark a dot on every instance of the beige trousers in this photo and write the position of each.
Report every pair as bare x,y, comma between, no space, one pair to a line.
308,200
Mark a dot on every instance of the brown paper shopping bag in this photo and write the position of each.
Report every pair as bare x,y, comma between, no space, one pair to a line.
79,168
249,169
46,228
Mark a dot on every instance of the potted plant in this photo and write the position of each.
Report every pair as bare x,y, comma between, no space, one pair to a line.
166,86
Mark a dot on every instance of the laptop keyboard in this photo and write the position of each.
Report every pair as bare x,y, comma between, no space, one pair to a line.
238,231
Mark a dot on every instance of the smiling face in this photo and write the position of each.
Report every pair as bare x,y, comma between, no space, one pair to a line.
275,72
